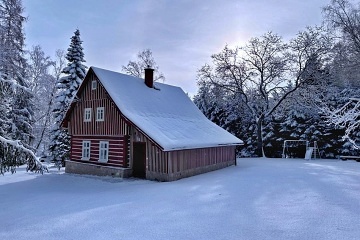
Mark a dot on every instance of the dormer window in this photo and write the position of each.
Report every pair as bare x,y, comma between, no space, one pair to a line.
87,115
100,114
93,84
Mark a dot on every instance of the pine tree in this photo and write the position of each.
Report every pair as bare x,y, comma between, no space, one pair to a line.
22,106
11,60
16,111
67,87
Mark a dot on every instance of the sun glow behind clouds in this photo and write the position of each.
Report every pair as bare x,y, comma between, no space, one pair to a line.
237,39
182,34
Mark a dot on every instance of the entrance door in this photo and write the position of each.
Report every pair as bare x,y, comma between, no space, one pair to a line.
139,159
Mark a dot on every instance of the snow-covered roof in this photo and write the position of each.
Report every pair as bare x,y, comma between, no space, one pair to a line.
167,115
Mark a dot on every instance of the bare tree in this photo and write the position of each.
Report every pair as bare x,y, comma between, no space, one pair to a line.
43,85
59,63
342,15
266,71
347,117
144,60
343,20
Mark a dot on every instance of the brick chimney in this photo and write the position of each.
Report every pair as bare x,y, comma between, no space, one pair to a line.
149,77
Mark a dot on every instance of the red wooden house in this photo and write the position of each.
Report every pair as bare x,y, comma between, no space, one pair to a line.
123,126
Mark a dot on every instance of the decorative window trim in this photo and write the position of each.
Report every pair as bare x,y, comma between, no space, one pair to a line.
93,84
87,114
100,114
86,150
103,151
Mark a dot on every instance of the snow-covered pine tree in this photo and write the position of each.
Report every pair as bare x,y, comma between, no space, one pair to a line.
16,109
211,100
67,87
13,67
226,109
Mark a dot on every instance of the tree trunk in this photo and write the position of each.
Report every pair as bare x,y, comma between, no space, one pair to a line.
47,118
259,148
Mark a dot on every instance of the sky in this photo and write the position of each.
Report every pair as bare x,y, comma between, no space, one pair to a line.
182,34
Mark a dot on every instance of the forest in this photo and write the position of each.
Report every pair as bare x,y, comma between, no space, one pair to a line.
264,91
270,90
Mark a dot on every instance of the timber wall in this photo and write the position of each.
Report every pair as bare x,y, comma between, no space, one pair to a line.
113,124
156,159
118,150
185,163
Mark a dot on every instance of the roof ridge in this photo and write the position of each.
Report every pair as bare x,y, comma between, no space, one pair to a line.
102,69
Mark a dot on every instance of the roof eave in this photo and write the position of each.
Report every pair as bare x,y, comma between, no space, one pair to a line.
199,147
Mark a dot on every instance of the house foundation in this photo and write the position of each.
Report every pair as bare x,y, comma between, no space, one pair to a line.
98,170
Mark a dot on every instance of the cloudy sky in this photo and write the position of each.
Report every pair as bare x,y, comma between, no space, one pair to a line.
182,34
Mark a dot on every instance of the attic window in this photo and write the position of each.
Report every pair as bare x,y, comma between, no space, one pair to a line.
93,84
100,112
87,115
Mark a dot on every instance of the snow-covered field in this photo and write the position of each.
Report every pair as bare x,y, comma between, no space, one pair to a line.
257,199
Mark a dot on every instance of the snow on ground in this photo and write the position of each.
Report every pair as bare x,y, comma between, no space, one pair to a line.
257,199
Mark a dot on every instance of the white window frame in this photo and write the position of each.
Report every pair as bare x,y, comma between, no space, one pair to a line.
86,150
87,114
100,114
103,151
93,84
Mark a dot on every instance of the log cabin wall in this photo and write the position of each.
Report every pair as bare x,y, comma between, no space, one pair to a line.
174,165
113,124
160,165
118,150
193,158
113,129
156,159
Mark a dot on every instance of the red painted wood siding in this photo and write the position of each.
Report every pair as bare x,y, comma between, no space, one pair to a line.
157,160
182,160
113,129
114,124
179,161
118,149
119,132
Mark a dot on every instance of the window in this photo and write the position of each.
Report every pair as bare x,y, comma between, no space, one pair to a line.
100,114
103,151
93,85
85,150
87,115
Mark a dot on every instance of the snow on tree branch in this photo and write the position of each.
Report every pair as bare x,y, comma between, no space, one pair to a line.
34,163
347,117
14,84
